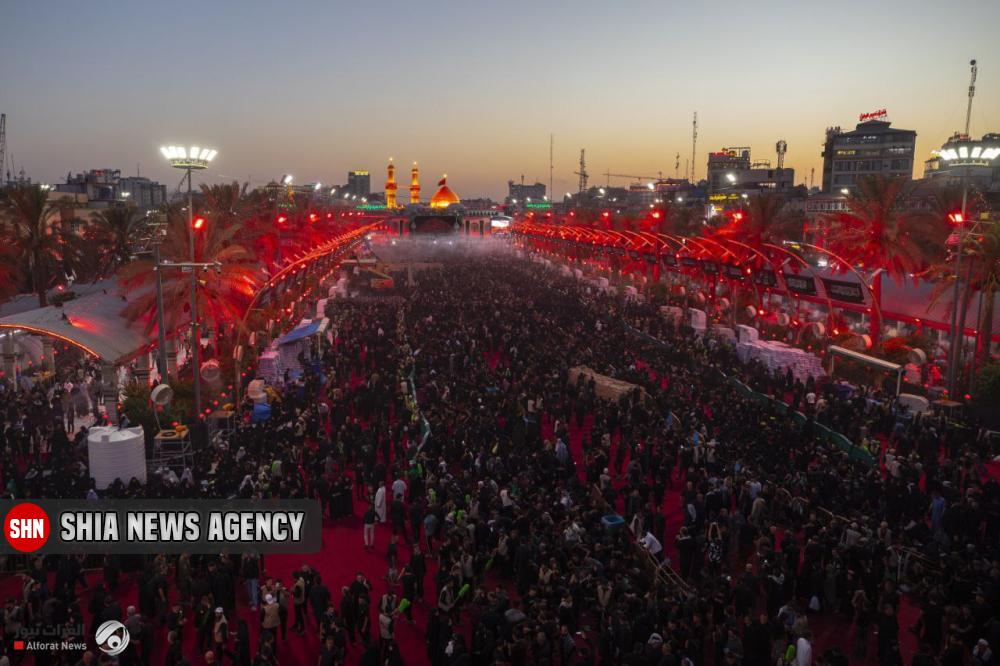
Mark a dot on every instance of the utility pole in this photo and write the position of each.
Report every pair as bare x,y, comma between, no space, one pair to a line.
3,144
694,146
552,143
582,173
972,93
195,333
958,320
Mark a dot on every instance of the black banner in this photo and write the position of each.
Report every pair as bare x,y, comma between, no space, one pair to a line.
765,278
800,284
633,255
733,272
709,267
689,262
668,259
650,258
838,290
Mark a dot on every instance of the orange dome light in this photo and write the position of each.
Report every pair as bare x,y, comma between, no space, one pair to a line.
445,196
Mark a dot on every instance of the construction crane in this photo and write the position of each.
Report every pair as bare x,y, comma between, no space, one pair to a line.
582,173
3,144
609,176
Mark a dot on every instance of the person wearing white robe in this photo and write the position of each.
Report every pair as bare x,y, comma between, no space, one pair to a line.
380,503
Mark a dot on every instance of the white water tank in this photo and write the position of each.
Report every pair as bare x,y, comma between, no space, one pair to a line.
116,454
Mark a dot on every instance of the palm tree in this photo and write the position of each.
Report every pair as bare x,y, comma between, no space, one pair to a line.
115,228
985,254
682,221
223,294
943,202
980,272
36,230
878,231
8,272
228,203
764,220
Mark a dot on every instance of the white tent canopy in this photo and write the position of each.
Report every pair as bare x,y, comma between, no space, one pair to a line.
93,322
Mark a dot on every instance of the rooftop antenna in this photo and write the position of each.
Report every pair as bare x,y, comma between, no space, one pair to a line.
972,93
677,165
782,148
582,173
694,144
687,164
812,177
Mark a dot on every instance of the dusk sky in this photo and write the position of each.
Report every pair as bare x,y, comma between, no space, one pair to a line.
474,88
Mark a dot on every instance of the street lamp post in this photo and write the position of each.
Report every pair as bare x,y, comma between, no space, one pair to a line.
161,334
286,180
190,160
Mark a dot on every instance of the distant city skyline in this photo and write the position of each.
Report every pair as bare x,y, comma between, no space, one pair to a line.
474,90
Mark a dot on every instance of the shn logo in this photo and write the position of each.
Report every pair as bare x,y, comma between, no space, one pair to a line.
112,638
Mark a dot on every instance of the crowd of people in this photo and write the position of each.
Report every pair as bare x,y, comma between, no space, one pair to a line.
524,519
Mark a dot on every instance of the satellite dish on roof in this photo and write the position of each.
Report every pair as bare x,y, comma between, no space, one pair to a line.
162,395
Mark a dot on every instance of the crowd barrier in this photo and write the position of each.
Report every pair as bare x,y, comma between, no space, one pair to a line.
654,570
411,379
856,453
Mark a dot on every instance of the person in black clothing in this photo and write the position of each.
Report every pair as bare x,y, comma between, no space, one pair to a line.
319,598
349,613
174,655
418,565
328,653
409,580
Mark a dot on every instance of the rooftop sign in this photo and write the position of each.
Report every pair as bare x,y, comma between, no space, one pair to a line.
881,114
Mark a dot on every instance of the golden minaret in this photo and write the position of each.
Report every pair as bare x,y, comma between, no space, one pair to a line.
414,184
390,186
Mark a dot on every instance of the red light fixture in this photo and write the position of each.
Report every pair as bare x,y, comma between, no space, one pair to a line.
956,218
198,223
656,214
313,217
282,219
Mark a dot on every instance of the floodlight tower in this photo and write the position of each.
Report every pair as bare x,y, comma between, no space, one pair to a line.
191,160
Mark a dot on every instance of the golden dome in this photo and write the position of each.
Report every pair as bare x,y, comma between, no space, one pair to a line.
445,196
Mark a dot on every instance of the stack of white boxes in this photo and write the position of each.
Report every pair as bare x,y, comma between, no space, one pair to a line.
779,357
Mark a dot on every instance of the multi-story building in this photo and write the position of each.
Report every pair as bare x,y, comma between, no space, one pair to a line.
101,188
730,171
144,193
872,148
523,192
985,175
359,183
